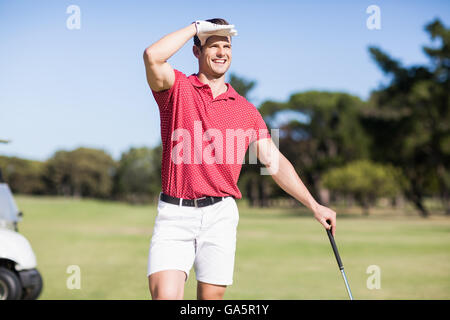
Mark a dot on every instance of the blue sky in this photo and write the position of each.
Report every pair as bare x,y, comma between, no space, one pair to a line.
61,88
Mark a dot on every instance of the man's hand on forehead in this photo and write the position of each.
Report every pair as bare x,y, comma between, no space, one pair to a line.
206,29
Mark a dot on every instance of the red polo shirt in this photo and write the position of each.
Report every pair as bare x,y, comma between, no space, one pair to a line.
204,139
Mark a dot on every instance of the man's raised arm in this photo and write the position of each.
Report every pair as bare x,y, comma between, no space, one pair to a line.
160,75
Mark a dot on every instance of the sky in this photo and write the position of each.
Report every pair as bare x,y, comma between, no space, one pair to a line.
63,88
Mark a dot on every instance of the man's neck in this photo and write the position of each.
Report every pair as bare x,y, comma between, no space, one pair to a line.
217,85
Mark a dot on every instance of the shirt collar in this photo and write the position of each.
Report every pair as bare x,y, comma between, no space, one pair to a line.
230,93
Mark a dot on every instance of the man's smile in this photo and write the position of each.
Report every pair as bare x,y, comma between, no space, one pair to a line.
219,61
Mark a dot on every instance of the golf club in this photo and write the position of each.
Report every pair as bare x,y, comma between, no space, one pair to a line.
338,259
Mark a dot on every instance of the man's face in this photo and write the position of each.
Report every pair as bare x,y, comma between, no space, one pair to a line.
215,57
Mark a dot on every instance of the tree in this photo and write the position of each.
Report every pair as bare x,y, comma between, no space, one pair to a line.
331,137
23,176
409,119
138,177
82,172
365,182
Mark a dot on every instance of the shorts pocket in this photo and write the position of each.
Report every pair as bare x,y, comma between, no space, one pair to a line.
166,211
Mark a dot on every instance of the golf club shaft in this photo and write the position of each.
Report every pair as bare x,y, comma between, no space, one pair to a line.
346,284
339,262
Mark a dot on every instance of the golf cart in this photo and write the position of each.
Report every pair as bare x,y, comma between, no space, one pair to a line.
19,278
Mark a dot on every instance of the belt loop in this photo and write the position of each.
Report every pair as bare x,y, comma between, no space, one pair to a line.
181,201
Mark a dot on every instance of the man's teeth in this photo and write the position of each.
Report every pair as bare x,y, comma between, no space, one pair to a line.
219,60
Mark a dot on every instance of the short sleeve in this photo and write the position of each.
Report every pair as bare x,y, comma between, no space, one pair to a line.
165,98
260,128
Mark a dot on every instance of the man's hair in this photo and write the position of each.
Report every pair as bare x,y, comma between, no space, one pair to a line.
216,21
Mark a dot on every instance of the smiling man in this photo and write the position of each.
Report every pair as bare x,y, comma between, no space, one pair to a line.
201,115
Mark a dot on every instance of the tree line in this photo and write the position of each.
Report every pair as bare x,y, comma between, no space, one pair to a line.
395,145
87,172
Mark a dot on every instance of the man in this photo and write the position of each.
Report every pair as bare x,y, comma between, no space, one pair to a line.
197,213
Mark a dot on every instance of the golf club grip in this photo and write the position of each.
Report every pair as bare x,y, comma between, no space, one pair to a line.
335,250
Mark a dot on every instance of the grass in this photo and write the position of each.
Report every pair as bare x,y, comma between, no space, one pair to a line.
281,253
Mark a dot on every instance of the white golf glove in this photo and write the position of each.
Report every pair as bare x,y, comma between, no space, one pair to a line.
207,29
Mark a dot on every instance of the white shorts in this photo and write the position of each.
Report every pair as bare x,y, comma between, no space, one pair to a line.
204,237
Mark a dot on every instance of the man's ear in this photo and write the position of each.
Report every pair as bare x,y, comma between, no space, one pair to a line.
196,51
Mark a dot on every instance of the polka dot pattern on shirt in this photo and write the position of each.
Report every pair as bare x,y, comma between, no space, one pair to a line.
205,158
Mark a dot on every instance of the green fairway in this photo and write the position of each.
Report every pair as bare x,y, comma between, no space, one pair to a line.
281,254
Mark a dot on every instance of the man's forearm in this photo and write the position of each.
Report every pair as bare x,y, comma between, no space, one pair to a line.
164,48
287,178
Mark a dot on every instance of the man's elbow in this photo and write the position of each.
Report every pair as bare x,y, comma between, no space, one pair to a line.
275,163
149,56
266,159
271,159
267,151
152,57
